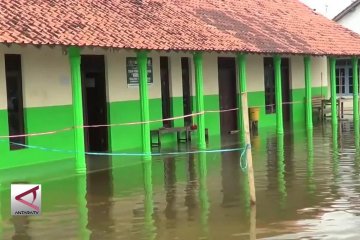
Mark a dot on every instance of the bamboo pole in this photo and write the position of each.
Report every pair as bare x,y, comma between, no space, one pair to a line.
244,101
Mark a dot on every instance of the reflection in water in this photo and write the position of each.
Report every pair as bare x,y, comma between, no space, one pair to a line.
1,212
191,186
281,169
148,201
203,193
253,222
170,189
230,173
99,198
83,232
307,188
357,148
21,227
310,163
335,157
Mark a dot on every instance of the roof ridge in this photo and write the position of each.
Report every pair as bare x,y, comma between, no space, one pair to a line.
346,10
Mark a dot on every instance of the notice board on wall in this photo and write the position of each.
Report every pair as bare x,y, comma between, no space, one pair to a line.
133,72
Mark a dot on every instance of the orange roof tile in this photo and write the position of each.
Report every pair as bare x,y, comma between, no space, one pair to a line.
257,26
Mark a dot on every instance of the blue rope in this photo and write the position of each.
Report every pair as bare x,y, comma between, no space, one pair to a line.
243,158
128,154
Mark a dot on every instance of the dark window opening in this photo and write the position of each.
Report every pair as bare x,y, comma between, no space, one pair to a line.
165,91
186,84
15,100
269,80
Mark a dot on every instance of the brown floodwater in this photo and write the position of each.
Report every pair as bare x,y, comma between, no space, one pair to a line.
306,188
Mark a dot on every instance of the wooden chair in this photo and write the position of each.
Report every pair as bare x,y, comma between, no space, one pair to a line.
317,105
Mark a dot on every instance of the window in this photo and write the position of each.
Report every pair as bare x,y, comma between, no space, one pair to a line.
14,99
344,78
269,81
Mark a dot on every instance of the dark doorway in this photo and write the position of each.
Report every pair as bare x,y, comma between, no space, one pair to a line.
15,99
165,91
186,83
286,92
94,101
227,94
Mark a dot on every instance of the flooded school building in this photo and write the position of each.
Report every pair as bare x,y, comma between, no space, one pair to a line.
86,66
130,114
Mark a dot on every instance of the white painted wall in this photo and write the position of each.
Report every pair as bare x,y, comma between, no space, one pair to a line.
320,76
46,74
255,73
352,20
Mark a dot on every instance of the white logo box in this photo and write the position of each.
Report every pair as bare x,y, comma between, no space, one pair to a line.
25,199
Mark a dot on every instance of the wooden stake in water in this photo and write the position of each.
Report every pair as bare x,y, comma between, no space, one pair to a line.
248,149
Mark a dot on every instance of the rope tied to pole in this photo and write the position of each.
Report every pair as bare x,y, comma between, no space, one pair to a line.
243,158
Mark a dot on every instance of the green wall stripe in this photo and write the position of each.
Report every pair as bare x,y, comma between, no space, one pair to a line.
125,138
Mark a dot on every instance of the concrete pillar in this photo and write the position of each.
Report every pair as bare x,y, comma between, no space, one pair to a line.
75,60
199,85
144,102
334,117
278,95
241,71
308,106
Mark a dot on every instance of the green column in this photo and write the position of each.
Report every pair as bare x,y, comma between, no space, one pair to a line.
149,201
307,66
199,85
355,67
144,101
334,117
241,70
75,59
278,95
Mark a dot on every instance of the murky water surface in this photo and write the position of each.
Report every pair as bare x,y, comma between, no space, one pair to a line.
307,188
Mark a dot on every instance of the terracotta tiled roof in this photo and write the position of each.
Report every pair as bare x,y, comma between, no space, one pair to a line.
258,26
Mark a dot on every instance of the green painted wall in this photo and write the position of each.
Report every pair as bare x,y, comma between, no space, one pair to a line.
124,138
39,120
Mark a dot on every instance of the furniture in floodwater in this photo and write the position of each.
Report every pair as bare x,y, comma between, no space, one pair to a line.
326,107
206,133
323,106
317,105
162,131
179,132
